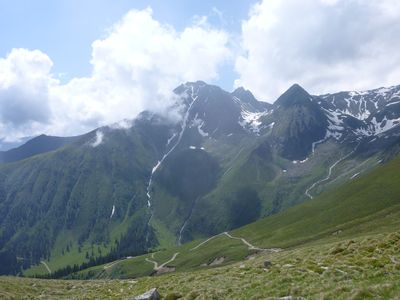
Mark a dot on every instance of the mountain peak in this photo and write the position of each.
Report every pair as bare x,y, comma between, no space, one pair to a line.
244,95
247,97
295,95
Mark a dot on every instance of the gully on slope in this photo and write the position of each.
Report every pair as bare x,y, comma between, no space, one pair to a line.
194,98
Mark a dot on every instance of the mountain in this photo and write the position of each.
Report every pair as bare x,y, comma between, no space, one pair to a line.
7,145
152,183
37,145
363,207
299,122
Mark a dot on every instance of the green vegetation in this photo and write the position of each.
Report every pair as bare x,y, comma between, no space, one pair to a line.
365,204
73,204
57,206
361,207
361,268
189,258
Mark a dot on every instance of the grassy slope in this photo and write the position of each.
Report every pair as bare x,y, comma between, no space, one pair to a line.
362,268
370,204
188,259
369,199
68,195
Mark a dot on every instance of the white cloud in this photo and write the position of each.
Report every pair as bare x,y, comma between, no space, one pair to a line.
25,84
135,67
325,45
98,139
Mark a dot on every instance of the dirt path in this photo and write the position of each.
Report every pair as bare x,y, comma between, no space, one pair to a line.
205,242
158,267
307,192
46,266
244,241
251,247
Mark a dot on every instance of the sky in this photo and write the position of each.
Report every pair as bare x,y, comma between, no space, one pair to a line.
67,67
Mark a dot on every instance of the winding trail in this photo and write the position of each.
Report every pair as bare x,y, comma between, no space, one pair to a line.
158,267
251,246
46,266
244,241
205,242
307,192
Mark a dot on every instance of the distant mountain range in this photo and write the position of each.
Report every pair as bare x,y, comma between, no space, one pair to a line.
151,183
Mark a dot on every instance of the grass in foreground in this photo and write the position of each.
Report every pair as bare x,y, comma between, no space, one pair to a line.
362,268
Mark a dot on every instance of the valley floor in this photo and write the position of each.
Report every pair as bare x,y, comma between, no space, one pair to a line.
361,268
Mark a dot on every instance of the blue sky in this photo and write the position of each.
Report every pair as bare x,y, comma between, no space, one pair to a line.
69,66
66,29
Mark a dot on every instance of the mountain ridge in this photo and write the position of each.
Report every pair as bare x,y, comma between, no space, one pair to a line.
231,150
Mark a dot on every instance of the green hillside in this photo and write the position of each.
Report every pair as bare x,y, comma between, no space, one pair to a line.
124,191
361,268
368,205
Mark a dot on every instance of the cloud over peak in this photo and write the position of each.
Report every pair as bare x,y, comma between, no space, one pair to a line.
134,67
326,45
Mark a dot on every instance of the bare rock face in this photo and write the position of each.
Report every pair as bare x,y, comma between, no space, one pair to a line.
149,295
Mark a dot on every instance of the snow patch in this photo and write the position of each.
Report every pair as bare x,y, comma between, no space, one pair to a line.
300,161
112,211
384,125
251,120
383,91
199,123
171,138
332,134
392,103
363,132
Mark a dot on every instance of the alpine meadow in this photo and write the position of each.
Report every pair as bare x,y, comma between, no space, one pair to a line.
206,150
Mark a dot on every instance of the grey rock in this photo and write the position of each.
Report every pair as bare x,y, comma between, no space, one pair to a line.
267,264
149,295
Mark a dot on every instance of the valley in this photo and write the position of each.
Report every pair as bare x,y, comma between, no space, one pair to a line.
235,181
